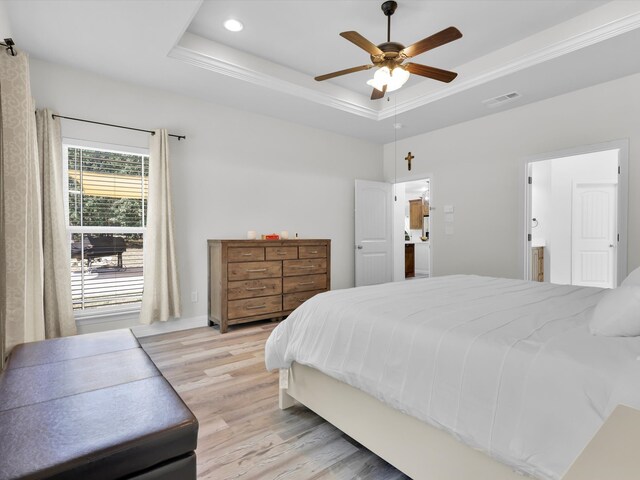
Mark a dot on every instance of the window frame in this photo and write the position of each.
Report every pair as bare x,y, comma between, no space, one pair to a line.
110,312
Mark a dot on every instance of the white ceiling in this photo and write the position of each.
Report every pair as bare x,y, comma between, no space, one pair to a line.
538,48
303,35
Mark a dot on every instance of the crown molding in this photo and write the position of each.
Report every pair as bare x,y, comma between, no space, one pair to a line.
208,55
231,69
577,42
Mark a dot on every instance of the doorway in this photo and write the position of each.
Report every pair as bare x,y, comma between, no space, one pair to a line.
575,216
373,233
412,226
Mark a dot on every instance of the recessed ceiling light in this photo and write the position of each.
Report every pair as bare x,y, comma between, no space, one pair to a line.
233,25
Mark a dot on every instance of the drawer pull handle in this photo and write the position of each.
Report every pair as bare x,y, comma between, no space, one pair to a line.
256,288
247,254
257,307
281,253
305,267
254,270
306,283
313,251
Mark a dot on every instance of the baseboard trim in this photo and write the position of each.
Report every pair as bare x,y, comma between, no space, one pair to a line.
157,328
139,330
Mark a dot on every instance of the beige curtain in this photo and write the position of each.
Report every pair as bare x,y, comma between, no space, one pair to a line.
161,296
58,307
21,260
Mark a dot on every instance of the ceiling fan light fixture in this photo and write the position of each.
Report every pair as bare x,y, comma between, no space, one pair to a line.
374,84
393,79
399,77
401,74
380,78
382,75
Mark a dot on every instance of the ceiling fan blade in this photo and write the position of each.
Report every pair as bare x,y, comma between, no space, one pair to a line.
343,72
377,94
436,40
363,43
431,72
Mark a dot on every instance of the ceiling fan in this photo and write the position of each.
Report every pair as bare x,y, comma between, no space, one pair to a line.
388,58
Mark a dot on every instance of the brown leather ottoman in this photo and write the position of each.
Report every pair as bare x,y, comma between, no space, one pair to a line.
92,406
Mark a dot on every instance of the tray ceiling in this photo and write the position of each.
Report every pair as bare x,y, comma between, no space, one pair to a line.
537,48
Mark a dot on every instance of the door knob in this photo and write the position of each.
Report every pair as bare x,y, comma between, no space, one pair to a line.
611,245
359,247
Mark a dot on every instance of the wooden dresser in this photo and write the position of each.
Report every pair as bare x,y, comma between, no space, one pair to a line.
257,279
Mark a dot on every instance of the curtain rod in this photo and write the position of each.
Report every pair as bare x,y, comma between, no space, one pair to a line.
179,137
9,44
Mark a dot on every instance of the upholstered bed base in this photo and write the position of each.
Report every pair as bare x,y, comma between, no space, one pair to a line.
421,451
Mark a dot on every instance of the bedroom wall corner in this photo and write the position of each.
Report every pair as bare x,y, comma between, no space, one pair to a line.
478,165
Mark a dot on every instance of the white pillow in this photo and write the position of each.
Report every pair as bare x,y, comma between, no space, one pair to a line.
617,314
632,279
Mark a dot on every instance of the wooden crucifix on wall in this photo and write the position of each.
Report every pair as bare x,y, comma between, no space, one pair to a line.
408,158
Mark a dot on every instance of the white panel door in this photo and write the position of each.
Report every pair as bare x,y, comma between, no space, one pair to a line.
594,235
373,237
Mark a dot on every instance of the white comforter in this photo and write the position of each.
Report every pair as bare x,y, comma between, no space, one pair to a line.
507,366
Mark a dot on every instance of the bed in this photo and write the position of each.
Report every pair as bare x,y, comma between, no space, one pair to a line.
428,372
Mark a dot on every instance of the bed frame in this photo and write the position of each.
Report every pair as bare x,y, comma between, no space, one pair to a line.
419,450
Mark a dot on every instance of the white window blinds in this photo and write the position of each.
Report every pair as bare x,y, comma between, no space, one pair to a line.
107,193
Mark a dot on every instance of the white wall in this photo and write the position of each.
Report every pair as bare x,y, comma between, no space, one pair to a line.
236,171
475,167
5,26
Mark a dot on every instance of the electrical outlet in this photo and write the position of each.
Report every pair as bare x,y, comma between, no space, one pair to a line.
194,296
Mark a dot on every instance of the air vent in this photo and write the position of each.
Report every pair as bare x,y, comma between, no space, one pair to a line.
500,99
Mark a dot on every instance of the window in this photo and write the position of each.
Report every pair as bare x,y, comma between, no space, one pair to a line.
107,201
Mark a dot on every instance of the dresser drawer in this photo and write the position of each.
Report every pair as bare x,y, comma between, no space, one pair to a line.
304,283
254,288
254,306
245,254
312,251
253,270
304,267
291,301
281,253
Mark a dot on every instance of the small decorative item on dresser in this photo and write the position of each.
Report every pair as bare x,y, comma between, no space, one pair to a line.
271,236
251,235
284,235
253,280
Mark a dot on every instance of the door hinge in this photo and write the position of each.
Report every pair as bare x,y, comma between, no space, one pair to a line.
618,237
530,180
529,237
618,169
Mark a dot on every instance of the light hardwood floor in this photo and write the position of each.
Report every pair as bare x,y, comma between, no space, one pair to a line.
243,434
